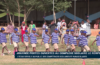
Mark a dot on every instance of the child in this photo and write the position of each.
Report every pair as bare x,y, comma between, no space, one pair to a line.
97,41
15,40
79,41
55,40
66,36
84,42
72,40
3,41
25,36
33,39
46,39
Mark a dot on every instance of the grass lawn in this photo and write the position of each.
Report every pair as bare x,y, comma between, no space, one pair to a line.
10,60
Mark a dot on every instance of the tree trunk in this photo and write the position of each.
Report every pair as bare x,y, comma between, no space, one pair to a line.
13,20
18,14
24,13
54,17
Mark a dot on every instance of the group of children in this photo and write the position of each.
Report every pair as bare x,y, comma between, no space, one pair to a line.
71,40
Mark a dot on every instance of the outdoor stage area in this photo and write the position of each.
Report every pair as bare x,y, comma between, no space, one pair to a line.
94,32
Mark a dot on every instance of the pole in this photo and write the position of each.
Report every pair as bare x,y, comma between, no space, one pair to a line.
54,17
88,7
75,10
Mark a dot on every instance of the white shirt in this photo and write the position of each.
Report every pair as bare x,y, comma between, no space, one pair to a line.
58,25
83,25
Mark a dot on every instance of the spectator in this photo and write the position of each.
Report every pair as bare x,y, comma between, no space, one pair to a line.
69,25
31,26
59,24
44,27
88,27
52,26
23,28
10,29
96,25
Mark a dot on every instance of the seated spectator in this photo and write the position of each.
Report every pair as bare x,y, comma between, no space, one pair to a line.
96,25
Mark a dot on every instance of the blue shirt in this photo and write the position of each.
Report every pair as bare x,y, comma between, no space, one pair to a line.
25,36
33,38
3,38
80,40
66,37
83,41
15,37
55,37
98,40
72,39
46,38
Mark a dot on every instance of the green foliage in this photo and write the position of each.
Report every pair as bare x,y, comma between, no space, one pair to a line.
47,5
30,5
2,15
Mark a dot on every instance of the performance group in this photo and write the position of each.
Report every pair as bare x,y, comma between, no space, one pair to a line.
75,35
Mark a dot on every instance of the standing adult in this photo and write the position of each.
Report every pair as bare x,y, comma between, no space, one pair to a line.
52,27
44,27
82,27
69,25
88,27
23,28
63,28
76,26
59,24
10,29
31,26
96,25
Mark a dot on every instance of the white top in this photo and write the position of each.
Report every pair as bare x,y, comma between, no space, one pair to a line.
58,25
88,28
83,25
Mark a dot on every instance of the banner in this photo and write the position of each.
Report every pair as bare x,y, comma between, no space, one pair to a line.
57,55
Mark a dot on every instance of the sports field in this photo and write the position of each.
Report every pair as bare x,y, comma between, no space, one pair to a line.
10,60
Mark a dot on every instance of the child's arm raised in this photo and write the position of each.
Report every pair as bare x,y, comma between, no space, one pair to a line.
93,42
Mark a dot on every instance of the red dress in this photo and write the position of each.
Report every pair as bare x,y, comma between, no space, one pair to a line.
23,31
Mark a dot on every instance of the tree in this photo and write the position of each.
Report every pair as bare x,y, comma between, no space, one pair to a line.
8,8
47,5
28,5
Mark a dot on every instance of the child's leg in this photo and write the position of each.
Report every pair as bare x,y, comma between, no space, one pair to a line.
6,48
73,47
56,47
68,48
2,49
46,50
27,46
26,49
47,47
87,48
99,48
54,50
57,50
4,45
15,47
17,50
34,47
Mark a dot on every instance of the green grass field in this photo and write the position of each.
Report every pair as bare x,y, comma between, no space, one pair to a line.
10,60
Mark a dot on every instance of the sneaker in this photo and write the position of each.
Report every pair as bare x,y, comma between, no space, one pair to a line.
3,54
9,52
